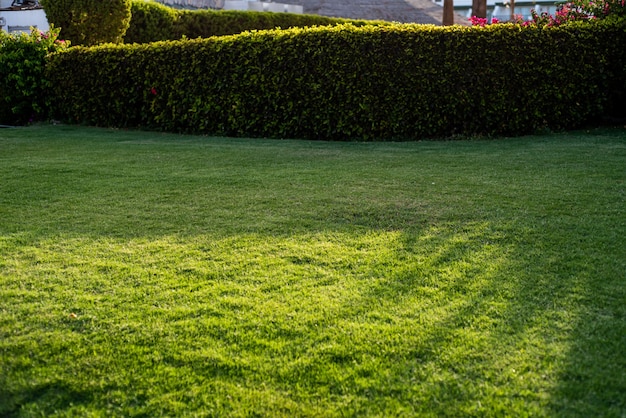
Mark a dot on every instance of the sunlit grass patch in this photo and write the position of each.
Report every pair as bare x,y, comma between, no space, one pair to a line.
171,276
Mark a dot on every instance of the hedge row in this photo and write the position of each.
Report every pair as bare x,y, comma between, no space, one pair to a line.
345,82
153,22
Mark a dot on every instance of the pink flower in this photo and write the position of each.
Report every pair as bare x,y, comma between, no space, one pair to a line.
153,91
478,21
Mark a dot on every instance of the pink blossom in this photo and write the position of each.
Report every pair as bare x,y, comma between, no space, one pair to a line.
478,21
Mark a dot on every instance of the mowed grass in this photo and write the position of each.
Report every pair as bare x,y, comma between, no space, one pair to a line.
147,274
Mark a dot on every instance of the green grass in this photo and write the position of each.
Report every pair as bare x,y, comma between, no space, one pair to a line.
146,274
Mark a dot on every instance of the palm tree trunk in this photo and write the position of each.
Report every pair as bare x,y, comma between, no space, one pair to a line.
448,13
479,8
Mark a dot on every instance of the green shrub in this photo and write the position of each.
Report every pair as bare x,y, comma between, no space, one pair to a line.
22,81
89,22
345,82
616,107
152,22
206,23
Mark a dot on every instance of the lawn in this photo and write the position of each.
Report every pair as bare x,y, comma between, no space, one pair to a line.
147,274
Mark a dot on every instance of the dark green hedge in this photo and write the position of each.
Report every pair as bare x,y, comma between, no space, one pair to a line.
153,22
616,106
347,82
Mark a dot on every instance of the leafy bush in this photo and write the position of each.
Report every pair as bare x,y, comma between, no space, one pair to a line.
616,107
342,82
601,8
571,11
206,23
152,22
22,81
89,22
586,10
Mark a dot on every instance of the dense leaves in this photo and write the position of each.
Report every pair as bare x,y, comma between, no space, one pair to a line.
153,21
89,22
345,82
22,81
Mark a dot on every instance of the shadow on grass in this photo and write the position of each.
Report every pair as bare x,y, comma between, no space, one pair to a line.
42,399
465,327
470,318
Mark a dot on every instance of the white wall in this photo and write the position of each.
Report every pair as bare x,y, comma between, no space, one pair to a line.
22,20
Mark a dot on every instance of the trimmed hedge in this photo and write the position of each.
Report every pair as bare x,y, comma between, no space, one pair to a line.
153,22
616,105
89,22
396,82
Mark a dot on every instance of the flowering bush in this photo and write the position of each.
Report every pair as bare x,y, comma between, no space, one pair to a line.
575,10
22,80
602,8
566,13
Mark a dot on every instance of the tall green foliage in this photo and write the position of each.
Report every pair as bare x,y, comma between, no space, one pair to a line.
150,22
22,81
89,22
